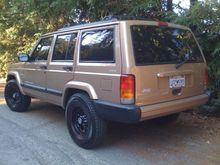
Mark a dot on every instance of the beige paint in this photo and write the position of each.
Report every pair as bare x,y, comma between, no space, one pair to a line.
166,108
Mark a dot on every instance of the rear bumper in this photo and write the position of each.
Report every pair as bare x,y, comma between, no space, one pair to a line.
175,106
132,113
118,112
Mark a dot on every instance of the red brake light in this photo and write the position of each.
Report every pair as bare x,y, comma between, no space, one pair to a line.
127,89
206,79
160,23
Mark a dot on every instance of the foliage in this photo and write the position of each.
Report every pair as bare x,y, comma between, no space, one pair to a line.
204,19
214,85
212,108
214,75
93,10
23,21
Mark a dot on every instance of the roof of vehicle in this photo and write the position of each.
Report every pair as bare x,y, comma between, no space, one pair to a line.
84,26
110,21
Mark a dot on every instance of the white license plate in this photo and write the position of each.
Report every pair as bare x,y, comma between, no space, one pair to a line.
177,81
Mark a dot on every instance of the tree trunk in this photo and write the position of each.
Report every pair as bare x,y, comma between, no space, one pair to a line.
169,5
192,2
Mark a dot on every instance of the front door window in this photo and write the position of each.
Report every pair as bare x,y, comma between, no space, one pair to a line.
42,50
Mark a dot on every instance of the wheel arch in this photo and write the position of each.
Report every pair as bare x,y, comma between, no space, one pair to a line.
15,76
77,87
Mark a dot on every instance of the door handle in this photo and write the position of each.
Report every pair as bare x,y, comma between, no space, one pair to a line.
43,67
67,68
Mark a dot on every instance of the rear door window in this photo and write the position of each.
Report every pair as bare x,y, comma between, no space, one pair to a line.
163,45
64,47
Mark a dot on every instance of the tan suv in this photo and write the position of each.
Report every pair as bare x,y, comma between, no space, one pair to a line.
116,70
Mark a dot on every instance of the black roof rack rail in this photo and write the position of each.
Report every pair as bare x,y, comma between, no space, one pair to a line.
70,24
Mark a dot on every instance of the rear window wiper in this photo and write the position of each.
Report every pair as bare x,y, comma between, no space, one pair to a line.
183,62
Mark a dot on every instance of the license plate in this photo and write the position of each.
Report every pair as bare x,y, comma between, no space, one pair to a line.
177,81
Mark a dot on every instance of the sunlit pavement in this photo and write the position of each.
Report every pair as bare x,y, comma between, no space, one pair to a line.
40,137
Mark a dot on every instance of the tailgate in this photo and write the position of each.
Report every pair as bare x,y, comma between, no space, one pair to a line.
168,64
161,83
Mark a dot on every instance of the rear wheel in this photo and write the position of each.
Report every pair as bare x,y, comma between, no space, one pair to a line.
15,100
167,119
85,127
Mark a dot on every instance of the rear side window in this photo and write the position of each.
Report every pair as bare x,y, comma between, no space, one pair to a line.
163,45
64,47
97,46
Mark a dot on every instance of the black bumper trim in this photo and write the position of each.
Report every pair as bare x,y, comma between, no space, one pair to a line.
118,112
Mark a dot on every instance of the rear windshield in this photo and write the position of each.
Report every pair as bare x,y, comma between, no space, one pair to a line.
163,45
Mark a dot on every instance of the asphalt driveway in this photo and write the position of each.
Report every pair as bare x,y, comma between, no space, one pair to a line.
40,137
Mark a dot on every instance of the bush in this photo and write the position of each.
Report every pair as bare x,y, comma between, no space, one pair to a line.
203,18
214,74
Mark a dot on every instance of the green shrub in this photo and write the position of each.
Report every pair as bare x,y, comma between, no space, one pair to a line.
214,74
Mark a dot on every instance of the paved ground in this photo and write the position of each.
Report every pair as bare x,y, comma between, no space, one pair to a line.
40,137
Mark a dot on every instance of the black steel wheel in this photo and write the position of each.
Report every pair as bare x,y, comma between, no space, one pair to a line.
15,100
80,123
85,127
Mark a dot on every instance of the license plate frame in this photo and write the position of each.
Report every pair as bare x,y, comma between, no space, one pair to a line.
177,81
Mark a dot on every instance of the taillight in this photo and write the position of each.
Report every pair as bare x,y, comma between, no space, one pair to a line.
161,23
127,89
206,79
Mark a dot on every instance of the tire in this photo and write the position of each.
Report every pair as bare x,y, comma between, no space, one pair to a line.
15,100
167,119
85,127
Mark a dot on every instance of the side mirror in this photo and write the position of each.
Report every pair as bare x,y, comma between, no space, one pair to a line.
23,57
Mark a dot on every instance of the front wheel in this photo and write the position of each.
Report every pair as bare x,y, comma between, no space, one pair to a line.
85,127
15,100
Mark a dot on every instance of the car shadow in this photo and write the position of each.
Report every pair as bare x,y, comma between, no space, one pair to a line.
138,137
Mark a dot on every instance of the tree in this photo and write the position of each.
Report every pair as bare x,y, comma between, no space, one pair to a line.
192,2
169,5
23,21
